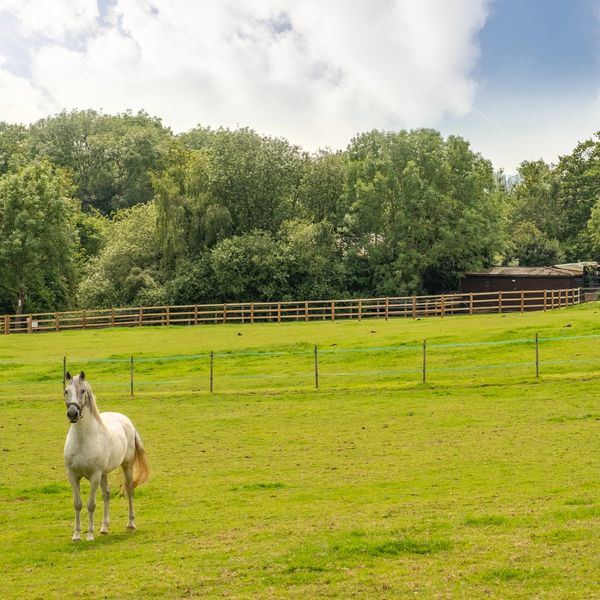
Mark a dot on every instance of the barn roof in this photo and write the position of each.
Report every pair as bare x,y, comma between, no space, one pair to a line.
527,272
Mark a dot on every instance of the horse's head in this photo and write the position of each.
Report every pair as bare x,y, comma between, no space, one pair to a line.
77,395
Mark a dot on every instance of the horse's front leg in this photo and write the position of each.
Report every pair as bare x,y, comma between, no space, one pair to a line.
75,482
91,505
106,498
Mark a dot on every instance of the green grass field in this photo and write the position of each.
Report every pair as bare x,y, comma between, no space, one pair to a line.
484,482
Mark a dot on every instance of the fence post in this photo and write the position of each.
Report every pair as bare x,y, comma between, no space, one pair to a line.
29,324
545,299
279,312
224,313
360,309
424,361
252,312
387,308
537,356
6,324
522,301
131,376
500,301
470,304
414,307
442,306
316,368
333,310
212,363
306,310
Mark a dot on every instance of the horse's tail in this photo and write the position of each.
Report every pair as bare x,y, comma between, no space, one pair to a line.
141,468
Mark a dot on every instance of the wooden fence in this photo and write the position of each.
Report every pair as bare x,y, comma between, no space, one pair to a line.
311,310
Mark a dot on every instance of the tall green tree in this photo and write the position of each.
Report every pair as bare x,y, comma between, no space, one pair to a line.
253,180
579,176
110,156
536,198
250,266
314,261
38,239
532,248
321,191
189,220
126,271
593,230
422,211
14,146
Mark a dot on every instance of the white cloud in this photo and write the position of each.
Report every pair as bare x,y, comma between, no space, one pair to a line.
54,19
20,101
313,71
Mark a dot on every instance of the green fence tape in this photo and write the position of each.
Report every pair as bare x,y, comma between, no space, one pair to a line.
569,338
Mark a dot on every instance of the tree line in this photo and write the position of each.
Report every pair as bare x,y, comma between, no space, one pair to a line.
104,210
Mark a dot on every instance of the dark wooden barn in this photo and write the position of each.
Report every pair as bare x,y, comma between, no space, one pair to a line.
504,279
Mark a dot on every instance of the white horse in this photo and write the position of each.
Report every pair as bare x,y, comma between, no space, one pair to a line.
96,444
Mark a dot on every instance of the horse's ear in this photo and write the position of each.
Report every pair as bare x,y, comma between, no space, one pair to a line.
68,376
82,375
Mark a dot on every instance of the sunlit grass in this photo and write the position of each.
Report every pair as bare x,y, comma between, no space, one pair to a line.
480,483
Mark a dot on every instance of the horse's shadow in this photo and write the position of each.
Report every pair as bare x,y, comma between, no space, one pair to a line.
101,541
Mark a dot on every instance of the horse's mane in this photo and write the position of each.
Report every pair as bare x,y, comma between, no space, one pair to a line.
92,401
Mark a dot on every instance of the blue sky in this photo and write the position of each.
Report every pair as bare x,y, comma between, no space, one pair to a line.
519,78
538,81
541,43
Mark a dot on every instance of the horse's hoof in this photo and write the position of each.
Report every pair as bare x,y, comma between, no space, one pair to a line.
130,527
104,532
76,538
90,537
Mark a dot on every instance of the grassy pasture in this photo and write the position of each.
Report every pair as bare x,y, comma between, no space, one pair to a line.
482,483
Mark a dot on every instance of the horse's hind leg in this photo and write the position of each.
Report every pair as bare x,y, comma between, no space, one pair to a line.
106,499
91,505
77,504
128,472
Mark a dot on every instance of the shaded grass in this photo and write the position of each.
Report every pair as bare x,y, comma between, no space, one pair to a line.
51,488
506,574
486,521
342,549
579,502
259,486
562,536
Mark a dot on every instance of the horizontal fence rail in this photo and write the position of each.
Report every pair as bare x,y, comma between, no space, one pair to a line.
309,310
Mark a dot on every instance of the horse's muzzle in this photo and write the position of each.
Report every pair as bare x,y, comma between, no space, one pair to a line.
73,414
